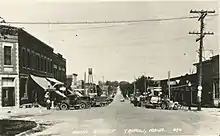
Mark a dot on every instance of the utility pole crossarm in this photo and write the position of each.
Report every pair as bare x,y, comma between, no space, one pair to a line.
205,33
202,11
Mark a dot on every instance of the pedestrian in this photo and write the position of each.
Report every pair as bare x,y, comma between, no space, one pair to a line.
47,98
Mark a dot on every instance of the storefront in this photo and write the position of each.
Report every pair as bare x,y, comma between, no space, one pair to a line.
37,86
9,91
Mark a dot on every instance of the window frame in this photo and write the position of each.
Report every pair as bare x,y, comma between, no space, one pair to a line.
217,91
11,47
23,57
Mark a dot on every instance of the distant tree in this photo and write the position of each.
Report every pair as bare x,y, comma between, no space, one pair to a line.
126,88
99,90
142,81
112,83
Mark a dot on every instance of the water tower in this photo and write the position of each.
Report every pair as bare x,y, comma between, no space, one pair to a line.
90,78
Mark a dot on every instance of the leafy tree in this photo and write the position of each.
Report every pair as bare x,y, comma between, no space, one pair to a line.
99,90
112,83
126,88
143,81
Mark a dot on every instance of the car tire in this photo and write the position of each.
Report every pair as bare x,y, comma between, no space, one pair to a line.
89,106
102,104
63,106
163,106
135,104
175,107
82,106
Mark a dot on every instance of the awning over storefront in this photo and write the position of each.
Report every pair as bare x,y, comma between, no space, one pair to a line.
41,81
79,94
69,91
55,81
61,94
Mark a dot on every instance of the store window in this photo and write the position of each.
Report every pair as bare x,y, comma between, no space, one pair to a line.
23,57
42,64
28,59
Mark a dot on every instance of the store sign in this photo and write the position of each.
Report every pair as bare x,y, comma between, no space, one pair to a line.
62,88
171,82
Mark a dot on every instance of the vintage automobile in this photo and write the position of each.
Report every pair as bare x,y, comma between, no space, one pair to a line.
100,101
136,100
75,101
122,100
156,99
109,100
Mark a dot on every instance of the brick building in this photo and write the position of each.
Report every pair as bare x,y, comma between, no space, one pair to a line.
180,90
210,84
210,81
28,67
9,68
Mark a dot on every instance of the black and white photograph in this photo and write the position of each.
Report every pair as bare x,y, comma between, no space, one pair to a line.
109,68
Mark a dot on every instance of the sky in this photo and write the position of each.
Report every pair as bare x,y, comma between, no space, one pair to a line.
119,51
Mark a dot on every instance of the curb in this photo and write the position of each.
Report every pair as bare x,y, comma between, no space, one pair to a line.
28,131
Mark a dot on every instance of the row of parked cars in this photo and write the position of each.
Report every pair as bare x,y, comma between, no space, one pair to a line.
73,101
154,99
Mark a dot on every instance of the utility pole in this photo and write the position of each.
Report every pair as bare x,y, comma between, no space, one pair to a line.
203,14
134,87
169,84
145,90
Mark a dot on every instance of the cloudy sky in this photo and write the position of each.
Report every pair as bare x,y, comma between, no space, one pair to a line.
119,51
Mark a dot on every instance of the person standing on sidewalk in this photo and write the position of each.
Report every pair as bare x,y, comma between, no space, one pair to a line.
47,98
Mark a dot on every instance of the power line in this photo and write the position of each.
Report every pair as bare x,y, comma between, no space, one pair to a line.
107,22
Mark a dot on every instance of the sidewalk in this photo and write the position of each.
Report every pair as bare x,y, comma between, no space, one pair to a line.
14,112
207,111
211,111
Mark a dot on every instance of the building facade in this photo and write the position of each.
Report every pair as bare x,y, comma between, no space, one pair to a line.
23,55
59,67
210,81
9,67
180,90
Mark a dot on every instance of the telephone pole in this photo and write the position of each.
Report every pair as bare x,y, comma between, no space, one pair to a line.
145,88
134,86
169,72
203,14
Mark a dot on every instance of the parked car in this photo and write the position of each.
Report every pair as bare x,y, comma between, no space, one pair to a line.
99,101
122,100
137,102
75,101
109,100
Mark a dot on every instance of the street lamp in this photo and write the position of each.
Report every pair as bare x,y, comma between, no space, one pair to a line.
190,95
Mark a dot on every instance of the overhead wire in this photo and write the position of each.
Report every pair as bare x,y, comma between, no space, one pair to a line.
107,22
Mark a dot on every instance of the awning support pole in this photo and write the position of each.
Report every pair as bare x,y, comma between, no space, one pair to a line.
26,88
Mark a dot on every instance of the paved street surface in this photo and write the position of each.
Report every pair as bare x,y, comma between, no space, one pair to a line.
121,118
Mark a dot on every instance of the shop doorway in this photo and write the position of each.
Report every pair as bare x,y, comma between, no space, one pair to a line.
8,96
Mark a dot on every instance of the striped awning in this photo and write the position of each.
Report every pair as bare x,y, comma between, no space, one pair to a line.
41,81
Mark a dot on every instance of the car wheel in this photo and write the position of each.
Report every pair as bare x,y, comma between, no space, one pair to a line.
82,106
163,106
135,104
89,106
63,106
102,104
175,107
